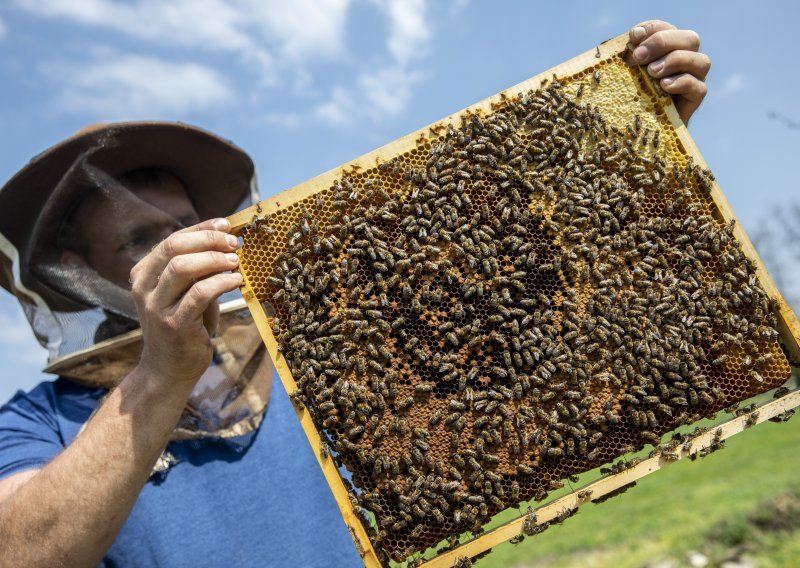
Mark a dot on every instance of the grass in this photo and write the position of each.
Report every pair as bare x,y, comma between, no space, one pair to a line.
675,510
766,535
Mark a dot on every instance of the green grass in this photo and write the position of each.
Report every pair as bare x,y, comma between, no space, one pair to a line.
671,511
784,552
767,534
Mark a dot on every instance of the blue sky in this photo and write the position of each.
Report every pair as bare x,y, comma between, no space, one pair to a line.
306,85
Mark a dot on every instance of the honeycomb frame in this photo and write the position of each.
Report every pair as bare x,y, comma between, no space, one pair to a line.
607,57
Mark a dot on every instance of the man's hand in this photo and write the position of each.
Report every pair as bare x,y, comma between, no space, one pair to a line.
176,288
672,56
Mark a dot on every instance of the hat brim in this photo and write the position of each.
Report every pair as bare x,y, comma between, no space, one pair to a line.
216,174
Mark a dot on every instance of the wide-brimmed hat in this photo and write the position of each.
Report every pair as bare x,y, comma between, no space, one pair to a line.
217,176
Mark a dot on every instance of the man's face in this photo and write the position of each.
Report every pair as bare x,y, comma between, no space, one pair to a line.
119,233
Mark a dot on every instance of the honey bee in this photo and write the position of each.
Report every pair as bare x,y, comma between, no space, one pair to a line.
524,469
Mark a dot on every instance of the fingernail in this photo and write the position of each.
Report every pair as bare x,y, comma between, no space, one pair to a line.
637,33
233,241
668,81
236,276
221,224
232,257
640,53
657,66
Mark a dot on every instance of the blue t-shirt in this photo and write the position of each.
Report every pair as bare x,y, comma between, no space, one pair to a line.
263,502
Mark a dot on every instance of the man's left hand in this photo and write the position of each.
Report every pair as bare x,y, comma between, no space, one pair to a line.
673,57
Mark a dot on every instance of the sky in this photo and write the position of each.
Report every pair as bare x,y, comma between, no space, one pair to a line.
307,85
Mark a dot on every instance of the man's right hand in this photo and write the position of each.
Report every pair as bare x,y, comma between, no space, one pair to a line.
176,288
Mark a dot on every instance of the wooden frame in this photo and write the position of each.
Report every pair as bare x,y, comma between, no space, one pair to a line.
789,328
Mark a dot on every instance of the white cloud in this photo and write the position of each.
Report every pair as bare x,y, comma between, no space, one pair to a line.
604,20
287,120
457,6
3,30
276,41
123,86
303,28
385,92
192,23
379,94
388,90
338,109
733,84
408,29
273,39
266,33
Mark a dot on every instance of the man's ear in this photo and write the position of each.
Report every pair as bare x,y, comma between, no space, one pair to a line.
71,259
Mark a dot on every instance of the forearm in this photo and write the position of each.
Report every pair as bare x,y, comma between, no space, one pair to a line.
70,512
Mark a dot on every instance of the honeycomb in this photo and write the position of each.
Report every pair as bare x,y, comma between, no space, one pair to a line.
520,296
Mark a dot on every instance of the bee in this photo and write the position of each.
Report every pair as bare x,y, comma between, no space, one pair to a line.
564,515
650,436
529,524
720,360
452,418
751,420
355,431
524,469
405,403
763,359
435,418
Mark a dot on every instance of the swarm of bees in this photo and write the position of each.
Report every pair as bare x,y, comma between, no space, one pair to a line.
523,298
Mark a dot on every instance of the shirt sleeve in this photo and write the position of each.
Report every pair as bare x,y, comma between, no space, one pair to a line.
29,433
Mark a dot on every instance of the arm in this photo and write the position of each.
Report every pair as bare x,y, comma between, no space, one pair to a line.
73,508
672,56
